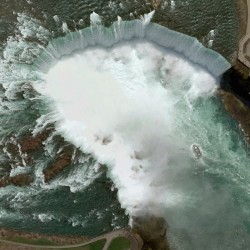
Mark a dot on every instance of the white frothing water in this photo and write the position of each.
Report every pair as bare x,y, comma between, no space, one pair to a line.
95,19
120,105
138,96
139,108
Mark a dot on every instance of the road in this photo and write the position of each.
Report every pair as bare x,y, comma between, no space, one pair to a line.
243,54
135,241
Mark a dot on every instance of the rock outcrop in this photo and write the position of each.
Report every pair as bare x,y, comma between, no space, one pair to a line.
17,180
152,231
30,143
238,110
61,162
235,95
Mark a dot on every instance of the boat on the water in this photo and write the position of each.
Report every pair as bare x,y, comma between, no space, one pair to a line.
196,151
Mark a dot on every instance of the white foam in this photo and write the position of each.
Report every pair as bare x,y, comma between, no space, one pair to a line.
57,19
65,28
29,27
148,17
127,30
95,19
44,217
172,4
167,182
211,37
210,43
119,104
19,170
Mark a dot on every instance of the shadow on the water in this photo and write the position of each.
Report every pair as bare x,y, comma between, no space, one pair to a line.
235,95
238,82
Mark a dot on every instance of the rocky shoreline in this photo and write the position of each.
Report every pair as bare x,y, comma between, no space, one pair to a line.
238,110
151,230
235,83
234,94
36,239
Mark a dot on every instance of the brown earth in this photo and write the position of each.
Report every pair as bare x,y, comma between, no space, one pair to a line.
21,180
4,246
31,143
152,230
61,162
238,110
28,144
156,3
13,235
18,180
4,182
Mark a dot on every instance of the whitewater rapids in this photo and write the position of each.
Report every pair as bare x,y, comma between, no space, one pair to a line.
138,97
123,105
121,101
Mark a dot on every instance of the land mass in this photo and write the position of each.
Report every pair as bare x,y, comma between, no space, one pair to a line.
235,83
13,240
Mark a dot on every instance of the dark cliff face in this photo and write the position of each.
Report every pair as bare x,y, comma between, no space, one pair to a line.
235,95
237,81
152,230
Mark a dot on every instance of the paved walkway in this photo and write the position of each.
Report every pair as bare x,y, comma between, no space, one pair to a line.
244,44
135,242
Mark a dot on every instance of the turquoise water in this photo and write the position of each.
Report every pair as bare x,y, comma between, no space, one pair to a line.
212,207
193,17
59,211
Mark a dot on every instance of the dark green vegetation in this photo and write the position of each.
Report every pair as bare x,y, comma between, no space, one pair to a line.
119,243
23,240
98,245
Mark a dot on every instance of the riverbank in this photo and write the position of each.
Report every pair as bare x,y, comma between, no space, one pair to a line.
235,83
148,232
152,230
13,240
238,110
235,96
40,239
